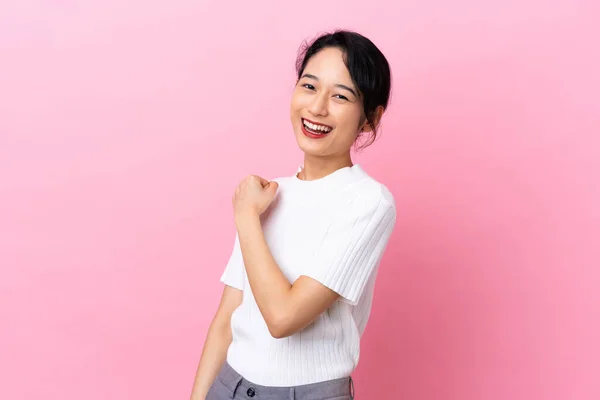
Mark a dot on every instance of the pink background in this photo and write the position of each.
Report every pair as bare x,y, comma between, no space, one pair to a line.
125,126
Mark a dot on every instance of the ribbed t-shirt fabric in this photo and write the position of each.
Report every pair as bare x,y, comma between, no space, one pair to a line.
334,229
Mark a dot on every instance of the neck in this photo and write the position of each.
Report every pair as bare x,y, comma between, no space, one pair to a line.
318,167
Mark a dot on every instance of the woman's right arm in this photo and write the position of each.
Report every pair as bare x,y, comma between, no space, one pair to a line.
216,344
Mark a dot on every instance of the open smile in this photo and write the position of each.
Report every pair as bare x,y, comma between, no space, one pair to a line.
314,129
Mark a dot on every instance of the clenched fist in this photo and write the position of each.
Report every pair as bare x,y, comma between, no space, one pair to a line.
253,196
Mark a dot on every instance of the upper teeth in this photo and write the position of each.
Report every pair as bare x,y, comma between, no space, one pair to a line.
316,127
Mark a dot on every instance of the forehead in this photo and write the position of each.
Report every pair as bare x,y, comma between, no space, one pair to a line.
328,65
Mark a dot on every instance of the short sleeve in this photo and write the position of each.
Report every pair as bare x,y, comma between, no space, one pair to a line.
234,270
353,243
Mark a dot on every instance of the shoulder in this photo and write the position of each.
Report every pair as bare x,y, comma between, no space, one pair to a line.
371,190
368,197
282,179
285,184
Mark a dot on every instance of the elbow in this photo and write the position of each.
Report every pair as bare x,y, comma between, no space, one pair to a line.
280,328
221,328
278,334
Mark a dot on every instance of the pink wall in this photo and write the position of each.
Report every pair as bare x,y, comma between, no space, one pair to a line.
124,127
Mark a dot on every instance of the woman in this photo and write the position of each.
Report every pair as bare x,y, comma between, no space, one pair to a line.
300,279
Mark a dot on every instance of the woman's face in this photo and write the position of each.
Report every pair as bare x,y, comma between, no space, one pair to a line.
327,101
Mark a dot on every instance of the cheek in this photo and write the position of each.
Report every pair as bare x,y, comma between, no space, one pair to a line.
293,107
294,104
296,97
300,99
348,119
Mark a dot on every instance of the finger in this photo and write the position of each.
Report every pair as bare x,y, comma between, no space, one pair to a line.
263,181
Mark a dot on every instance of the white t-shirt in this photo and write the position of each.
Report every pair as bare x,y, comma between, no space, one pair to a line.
335,230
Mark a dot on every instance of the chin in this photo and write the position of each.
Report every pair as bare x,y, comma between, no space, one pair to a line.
310,146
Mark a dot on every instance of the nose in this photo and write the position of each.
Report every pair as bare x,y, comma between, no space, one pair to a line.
318,106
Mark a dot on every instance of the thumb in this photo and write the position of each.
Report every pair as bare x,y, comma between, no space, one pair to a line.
271,188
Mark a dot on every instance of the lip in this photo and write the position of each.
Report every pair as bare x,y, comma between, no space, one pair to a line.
317,123
309,134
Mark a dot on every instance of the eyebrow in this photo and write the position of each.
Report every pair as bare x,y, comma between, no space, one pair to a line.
337,85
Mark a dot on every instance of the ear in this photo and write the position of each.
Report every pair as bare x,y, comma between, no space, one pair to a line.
367,127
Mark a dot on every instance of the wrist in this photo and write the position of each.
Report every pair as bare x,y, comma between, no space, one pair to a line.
245,217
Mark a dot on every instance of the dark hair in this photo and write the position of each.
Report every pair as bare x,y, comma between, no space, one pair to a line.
368,68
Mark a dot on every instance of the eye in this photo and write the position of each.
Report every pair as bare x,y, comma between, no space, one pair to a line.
308,86
339,96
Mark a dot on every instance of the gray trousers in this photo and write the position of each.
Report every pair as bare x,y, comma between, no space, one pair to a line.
231,385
